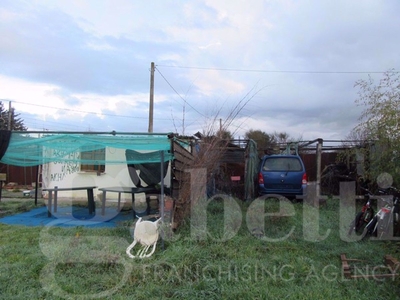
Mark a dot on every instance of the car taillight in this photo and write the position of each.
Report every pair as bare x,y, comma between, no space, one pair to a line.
304,180
260,178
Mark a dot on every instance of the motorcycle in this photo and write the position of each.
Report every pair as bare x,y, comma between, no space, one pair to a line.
364,216
386,221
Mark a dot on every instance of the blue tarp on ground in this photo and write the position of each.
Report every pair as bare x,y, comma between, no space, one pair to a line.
69,216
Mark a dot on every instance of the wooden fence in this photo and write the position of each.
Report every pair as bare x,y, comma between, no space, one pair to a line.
180,182
22,176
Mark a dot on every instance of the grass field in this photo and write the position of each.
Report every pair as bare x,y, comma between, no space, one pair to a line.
244,254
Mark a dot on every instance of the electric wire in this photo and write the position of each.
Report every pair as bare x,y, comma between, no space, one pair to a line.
184,100
32,122
278,71
82,111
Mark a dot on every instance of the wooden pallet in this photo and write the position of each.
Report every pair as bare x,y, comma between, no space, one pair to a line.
392,264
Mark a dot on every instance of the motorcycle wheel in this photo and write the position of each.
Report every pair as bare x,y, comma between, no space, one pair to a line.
357,225
370,229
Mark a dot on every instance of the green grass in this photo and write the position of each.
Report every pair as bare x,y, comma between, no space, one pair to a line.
223,260
10,207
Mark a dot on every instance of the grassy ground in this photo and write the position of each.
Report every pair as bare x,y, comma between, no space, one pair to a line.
233,255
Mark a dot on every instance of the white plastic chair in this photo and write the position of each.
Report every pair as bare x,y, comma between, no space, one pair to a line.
146,234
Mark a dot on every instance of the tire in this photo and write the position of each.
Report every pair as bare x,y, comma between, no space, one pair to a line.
368,215
370,229
357,225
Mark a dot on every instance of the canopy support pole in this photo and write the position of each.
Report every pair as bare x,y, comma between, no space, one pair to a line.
37,183
162,196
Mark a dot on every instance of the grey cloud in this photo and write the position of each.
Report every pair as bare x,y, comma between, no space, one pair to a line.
331,36
50,47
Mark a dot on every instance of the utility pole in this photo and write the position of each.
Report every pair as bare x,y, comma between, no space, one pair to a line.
151,108
183,119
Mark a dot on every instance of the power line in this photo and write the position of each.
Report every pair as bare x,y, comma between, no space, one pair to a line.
86,112
184,100
279,71
36,122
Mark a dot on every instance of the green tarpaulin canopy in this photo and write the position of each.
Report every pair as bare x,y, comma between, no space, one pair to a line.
37,148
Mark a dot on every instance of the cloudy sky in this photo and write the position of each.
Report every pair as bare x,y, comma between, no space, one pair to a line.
270,65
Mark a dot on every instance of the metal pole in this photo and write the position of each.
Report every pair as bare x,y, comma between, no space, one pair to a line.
37,183
9,128
162,197
151,108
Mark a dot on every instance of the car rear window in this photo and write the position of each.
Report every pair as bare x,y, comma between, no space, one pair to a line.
282,164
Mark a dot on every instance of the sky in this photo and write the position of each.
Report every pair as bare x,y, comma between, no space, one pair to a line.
269,65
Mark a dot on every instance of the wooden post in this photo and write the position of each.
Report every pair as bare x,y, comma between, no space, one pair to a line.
10,115
318,179
3,178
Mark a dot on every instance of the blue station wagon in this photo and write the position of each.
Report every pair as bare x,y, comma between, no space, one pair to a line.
283,175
